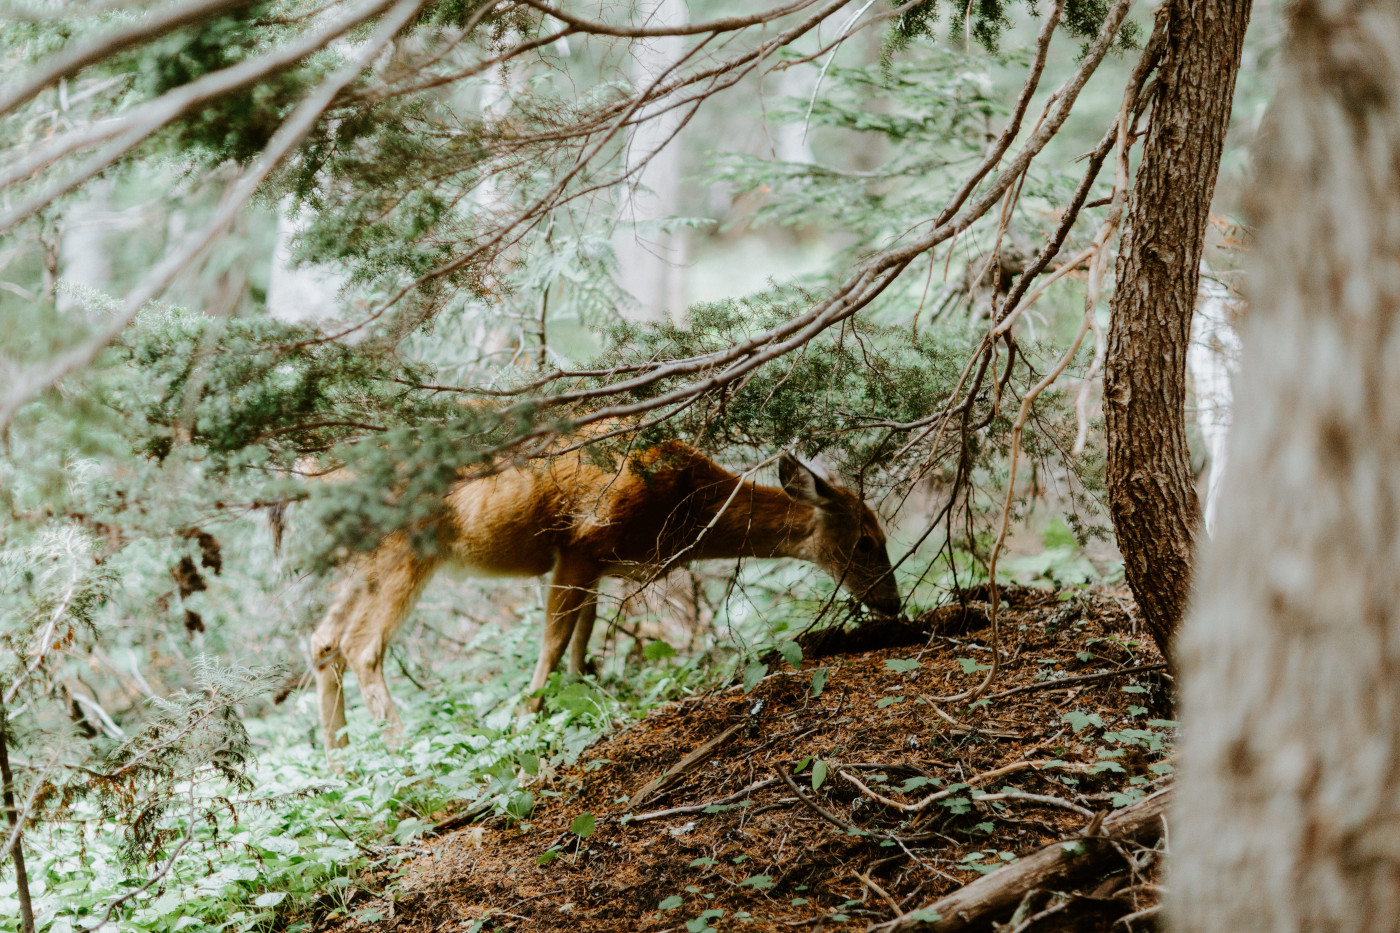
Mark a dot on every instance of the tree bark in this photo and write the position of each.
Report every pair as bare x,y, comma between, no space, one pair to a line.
1288,814
1151,490
12,817
651,263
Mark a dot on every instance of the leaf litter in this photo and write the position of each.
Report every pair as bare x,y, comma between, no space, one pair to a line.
903,798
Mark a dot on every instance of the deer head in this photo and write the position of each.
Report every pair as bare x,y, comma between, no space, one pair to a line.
845,540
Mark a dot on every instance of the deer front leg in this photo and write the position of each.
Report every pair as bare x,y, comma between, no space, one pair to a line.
573,588
330,692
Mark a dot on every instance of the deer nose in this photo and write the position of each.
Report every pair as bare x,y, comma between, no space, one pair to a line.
885,605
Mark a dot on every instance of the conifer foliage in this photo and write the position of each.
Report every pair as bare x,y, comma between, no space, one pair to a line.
452,167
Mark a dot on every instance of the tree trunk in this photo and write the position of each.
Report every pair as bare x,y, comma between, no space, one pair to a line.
12,818
1289,800
651,262
1151,491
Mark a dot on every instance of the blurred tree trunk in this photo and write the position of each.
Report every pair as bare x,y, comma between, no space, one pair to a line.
1289,800
651,262
13,827
1151,489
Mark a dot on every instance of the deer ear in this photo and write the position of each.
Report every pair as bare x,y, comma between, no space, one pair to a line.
804,482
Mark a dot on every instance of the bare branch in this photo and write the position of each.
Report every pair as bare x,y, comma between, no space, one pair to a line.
152,27
714,26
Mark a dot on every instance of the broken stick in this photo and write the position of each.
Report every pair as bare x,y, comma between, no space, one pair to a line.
1058,864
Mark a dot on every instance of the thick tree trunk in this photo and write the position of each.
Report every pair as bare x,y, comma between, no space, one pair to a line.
1288,809
1150,486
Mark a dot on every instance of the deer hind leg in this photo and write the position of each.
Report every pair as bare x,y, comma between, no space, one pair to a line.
574,586
387,584
583,630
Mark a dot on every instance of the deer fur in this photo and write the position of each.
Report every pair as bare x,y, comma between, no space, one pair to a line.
664,507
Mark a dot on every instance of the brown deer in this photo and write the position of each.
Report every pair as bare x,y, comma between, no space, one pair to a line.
665,507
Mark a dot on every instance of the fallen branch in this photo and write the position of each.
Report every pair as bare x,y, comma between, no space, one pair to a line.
1056,865
674,772
701,807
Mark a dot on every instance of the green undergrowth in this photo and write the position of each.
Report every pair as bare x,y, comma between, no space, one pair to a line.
313,837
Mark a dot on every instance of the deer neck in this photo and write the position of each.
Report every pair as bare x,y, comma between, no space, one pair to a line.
758,521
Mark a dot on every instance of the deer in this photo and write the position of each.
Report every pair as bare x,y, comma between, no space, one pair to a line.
663,507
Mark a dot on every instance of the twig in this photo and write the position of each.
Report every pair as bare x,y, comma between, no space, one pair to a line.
164,870
700,807
817,808
1035,918
872,885
1043,799
943,794
1127,919
1066,682
684,765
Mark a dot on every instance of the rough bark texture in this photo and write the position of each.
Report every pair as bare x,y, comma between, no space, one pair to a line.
1288,808
1150,486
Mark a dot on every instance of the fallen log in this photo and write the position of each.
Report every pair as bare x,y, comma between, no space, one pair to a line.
1056,865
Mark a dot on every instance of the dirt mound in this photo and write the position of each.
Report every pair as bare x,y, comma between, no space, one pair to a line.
837,799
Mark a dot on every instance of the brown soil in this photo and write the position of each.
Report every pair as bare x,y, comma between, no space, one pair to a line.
771,861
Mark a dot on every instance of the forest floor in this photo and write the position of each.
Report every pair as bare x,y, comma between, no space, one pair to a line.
741,810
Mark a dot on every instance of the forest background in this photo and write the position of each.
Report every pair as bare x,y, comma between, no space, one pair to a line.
269,239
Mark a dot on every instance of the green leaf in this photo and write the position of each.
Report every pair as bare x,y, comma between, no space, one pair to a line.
792,654
819,681
520,805
582,826
818,774
672,902
902,665
888,701
753,674
701,924
923,915
548,856
279,844
703,862
658,650
1080,721
970,666
270,899
758,882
